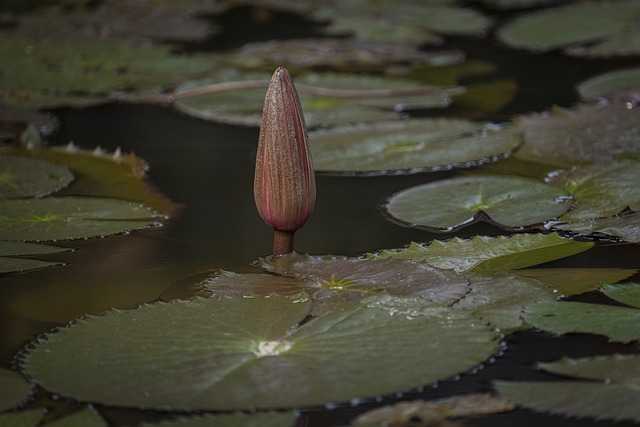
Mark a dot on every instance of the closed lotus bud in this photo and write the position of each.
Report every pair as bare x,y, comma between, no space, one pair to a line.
284,186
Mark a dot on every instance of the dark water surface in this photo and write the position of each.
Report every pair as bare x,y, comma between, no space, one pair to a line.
208,169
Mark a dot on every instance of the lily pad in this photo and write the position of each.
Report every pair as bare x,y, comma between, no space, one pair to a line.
610,83
10,250
14,389
255,353
500,299
486,255
574,281
510,201
257,419
327,99
588,22
435,411
626,227
23,177
86,417
100,173
619,324
21,419
584,134
66,218
408,146
15,121
603,387
628,293
602,190
403,21
89,70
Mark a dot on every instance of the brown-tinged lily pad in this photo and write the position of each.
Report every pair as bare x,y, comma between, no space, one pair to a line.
236,353
601,387
512,202
584,134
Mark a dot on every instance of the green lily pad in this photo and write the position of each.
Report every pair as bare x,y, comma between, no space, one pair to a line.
628,293
10,250
86,70
86,417
338,54
65,218
584,134
619,324
404,21
500,299
23,177
487,255
258,419
510,201
604,388
29,418
588,22
99,173
14,389
602,190
574,281
610,83
256,353
625,226
327,99
408,146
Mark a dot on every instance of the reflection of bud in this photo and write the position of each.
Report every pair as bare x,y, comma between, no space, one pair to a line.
284,186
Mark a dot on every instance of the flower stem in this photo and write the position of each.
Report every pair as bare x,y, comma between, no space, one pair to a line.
282,242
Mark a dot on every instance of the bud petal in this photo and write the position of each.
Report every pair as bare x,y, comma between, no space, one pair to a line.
284,184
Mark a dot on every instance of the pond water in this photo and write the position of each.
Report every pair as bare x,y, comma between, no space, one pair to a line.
207,169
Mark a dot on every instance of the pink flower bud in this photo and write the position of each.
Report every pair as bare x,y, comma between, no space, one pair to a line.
284,185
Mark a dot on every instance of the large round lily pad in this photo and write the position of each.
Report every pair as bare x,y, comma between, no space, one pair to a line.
506,200
65,218
256,353
409,146
24,177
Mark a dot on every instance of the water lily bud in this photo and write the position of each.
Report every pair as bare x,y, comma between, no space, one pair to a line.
284,185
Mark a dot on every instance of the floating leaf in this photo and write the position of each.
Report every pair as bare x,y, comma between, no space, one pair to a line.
408,146
403,20
626,227
574,281
100,173
620,324
585,22
584,134
507,200
257,419
486,255
602,190
628,293
64,218
610,392
255,353
86,417
327,99
83,70
500,299
435,411
14,389
21,419
337,54
10,250
610,83
23,177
